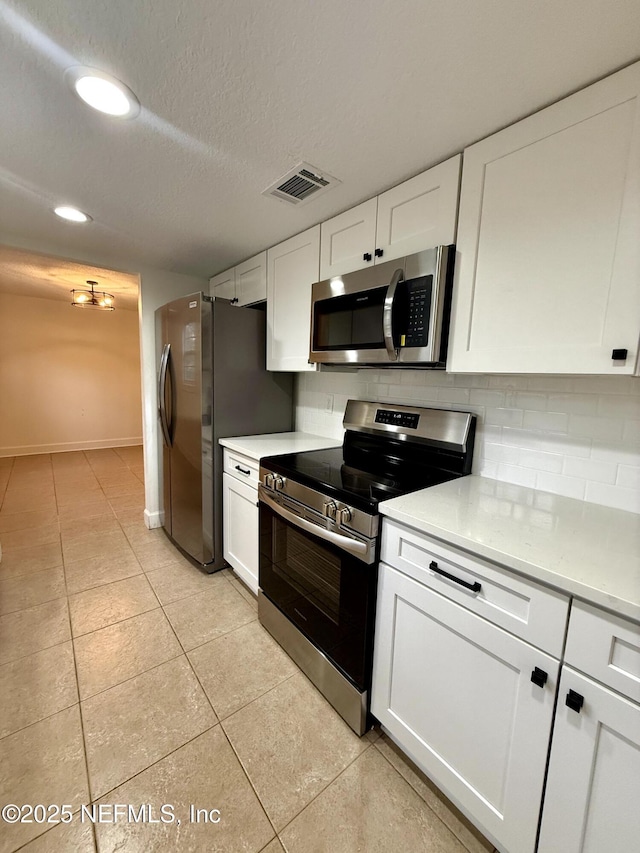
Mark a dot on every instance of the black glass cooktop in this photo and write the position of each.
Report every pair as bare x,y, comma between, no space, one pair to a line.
329,472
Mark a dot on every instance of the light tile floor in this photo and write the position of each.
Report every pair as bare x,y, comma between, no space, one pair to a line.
127,676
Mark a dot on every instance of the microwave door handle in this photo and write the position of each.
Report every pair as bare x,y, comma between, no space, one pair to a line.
352,546
387,315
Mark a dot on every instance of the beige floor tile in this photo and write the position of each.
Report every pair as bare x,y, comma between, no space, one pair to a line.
21,502
104,605
74,837
19,593
31,479
237,668
274,847
136,723
138,533
27,631
79,528
67,493
106,568
208,615
371,808
6,461
42,764
47,534
179,579
27,560
126,502
35,488
114,654
25,520
93,545
245,592
130,514
291,744
135,489
84,509
434,798
204,773
36,687
153,555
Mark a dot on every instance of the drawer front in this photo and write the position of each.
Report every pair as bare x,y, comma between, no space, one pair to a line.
241,467
522,607
606,647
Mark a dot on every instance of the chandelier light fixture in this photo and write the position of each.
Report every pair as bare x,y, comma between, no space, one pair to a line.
92,298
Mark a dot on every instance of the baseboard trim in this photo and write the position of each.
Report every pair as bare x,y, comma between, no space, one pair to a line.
66,447
152,519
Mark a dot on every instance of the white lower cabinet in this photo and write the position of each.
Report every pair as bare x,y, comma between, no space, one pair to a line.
592,801
241,522
456,693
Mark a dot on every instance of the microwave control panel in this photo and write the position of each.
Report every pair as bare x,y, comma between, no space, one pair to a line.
418,309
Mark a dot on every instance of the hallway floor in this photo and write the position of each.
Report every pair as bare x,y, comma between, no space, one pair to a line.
127,676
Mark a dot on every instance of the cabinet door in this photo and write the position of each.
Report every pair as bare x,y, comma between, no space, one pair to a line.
223,284
593,789
240,512
548,266
347,239
292,267
420,213
251,280
455,692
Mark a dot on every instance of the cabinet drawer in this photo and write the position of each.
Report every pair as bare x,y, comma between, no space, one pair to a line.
606,647
530,611
241,467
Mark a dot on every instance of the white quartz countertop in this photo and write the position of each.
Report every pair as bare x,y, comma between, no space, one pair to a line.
590,551
273,444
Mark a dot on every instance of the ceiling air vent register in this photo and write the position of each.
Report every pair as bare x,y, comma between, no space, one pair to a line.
301,184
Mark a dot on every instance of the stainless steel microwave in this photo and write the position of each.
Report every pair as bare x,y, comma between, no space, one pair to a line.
396,313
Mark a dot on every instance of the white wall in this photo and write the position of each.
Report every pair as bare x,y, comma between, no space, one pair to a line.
69,378
575,436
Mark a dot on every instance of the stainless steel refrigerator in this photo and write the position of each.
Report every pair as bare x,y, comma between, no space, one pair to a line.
212,383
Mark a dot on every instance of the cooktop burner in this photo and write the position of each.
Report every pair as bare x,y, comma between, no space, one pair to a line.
328,472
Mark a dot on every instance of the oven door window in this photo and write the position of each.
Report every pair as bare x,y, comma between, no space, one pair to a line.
325,592
352,321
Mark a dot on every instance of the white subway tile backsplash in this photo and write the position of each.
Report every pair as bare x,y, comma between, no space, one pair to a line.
577,436
547,421
590,469
614,496
570,487
628,476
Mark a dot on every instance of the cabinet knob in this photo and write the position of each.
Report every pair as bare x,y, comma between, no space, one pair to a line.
619,355
539,677
379,253
366,256
574,701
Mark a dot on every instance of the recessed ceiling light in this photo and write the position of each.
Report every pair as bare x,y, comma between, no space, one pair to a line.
103,92
72,214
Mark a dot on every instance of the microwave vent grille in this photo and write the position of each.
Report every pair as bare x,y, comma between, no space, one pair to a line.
301,184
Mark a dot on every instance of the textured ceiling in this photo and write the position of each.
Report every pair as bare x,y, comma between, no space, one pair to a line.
236,92
28,274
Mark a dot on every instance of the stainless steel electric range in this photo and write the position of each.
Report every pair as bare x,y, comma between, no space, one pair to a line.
319,537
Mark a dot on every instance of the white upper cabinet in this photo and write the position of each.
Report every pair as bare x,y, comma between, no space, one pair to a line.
223,285
251,280
548,247
418,214
244,284
292,267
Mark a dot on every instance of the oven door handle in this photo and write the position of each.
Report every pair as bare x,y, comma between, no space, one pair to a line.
387,315
352,546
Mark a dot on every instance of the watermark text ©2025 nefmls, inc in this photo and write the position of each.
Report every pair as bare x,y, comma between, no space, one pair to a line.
108,813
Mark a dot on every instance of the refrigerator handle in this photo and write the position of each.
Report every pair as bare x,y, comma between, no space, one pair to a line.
162,388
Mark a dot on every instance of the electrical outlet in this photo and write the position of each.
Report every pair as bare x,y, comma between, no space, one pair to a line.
328,404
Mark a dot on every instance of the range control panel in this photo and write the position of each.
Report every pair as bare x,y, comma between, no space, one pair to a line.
419,296
402,419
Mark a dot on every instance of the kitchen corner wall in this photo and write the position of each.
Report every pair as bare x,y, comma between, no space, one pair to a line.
577,436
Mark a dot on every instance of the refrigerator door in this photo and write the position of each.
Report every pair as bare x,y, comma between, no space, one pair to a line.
185,399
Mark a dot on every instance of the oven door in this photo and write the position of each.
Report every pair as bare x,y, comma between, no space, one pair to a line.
326,592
